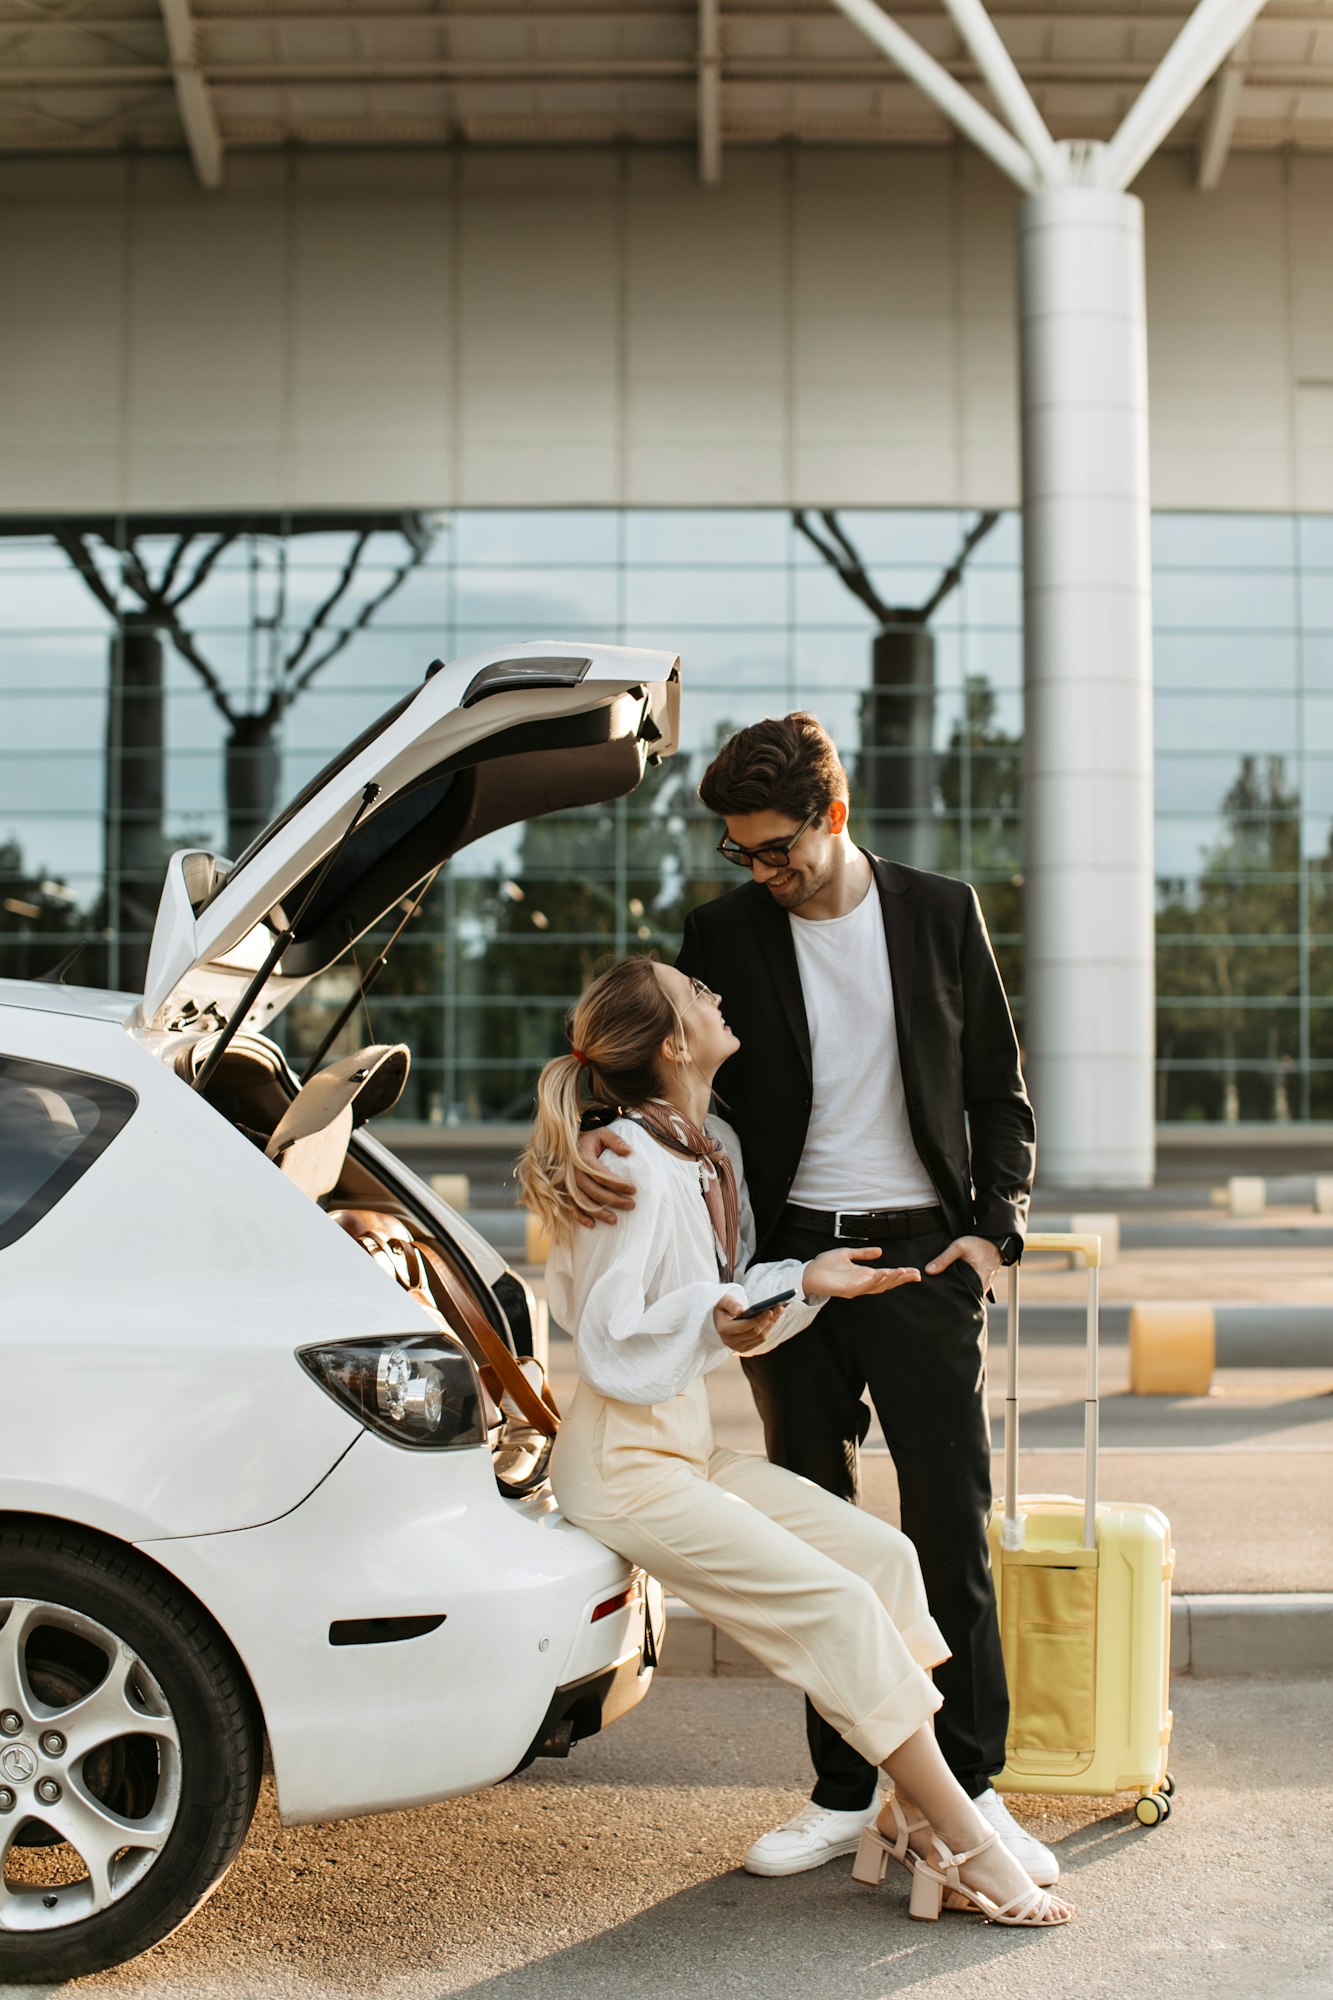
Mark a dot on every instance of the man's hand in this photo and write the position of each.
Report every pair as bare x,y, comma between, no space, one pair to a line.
611,1191
742,1336
840,1274
978,1251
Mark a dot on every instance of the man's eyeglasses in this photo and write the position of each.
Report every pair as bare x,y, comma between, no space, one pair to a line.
773,854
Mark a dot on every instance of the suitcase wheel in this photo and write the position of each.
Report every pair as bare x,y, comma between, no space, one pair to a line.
1168,1785
1152,1808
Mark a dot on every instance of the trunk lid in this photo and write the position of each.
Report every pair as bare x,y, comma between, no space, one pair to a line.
494,739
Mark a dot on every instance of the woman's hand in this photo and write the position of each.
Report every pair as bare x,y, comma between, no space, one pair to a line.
606,1191
841,1274
742,1336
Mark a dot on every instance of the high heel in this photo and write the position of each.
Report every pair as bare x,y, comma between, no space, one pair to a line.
873,1855
927,1894
936,1881
876,1849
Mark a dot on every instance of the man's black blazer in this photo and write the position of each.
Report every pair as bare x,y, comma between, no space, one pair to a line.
966,1101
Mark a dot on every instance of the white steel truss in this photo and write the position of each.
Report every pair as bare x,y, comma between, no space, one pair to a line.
977,29
1205,41
1031,158
949,96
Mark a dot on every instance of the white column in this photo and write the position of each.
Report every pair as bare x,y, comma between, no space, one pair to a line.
1088,800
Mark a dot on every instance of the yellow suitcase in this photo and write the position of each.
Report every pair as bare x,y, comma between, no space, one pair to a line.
1084,1596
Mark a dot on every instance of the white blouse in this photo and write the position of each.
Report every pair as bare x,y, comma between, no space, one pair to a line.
638,1297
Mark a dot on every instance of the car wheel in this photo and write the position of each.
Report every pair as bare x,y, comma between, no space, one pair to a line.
129,1754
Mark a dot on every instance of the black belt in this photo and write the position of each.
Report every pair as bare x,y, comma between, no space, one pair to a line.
865,1224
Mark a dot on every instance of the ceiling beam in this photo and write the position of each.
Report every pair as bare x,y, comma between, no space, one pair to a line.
1031,20
710,92
102,77
192,98
1215,144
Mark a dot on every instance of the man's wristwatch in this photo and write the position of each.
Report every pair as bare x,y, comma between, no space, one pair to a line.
1010,1247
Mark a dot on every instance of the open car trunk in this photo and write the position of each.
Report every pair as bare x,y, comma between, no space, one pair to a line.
490,742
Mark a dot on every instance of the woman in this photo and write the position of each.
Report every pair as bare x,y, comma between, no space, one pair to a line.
826,1596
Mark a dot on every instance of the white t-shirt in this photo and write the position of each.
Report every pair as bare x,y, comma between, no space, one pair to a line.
859,1152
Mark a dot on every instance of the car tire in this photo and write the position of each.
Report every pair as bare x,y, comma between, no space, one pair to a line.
165,1744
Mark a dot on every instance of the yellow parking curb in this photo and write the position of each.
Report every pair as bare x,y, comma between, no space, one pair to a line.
1172,1348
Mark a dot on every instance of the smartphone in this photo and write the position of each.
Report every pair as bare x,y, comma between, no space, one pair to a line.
766,1305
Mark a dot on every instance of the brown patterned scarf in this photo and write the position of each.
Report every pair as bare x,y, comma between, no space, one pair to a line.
680,1134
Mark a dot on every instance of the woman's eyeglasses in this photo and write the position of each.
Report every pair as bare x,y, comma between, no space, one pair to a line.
699,992
773,854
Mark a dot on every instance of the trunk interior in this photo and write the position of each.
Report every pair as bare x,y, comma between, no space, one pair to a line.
254,1089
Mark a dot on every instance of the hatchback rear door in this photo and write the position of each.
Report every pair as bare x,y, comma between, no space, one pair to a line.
493,740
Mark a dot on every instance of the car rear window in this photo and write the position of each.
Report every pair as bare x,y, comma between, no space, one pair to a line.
53,1124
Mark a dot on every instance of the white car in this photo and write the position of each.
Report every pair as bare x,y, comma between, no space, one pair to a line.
249,1487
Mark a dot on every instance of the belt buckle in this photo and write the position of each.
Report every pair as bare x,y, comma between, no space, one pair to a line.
840,1234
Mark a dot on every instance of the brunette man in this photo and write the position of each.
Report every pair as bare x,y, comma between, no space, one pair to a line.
879,1099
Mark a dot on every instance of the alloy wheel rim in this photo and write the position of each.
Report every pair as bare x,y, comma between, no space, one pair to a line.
90,1766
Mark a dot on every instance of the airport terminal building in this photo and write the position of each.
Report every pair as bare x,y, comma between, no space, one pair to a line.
337,339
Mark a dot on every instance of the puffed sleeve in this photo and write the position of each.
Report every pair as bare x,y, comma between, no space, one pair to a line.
600,1282
761,1281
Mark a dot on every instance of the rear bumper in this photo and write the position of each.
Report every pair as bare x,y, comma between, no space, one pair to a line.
581,1708
448,1707
587,1706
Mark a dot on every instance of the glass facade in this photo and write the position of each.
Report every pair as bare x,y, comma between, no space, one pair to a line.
170,683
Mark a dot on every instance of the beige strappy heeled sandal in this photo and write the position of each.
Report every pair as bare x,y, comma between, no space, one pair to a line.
877,1849
938,1879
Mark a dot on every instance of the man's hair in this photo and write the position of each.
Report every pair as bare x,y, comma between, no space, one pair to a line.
785,764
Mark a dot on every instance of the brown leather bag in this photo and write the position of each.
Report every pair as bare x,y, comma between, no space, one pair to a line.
525,1395
517,1389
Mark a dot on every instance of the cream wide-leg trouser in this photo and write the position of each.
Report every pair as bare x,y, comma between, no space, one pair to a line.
827,1597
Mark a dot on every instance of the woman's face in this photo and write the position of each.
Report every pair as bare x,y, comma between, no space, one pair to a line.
707,1038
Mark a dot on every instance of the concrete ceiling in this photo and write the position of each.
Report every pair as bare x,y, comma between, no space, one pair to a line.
220,76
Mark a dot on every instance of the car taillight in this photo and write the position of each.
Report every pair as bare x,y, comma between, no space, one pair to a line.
419,1390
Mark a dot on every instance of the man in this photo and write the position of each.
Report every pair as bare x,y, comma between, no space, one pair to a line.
879,1099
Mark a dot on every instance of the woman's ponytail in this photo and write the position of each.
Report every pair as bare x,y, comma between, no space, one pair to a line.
617,1030
546,1170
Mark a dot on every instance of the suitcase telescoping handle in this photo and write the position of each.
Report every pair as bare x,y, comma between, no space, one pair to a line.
1088,1249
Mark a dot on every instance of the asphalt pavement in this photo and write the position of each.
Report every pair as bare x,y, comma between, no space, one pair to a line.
615,1877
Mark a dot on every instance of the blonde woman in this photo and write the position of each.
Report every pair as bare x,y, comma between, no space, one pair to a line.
826,1596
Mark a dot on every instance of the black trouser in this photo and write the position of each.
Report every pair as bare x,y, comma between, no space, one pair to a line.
921,1353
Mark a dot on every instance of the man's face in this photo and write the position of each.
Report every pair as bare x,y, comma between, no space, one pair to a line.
813,857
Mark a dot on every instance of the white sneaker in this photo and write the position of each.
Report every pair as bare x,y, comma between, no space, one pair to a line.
811,1837
1040,1863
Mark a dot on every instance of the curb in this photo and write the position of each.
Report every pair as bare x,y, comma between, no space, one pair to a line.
1289,1632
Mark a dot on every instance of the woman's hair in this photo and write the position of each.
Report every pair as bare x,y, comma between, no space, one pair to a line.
618,1028
784,764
